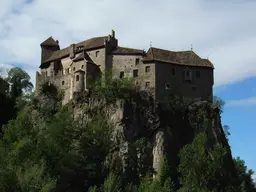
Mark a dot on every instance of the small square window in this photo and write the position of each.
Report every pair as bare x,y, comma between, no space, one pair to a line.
135,73
198,74
147,69
167,86
147,84
137,61
121,74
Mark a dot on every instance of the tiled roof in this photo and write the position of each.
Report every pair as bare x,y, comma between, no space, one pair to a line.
125,51
88,44
92,43
82,56
49,42
177,57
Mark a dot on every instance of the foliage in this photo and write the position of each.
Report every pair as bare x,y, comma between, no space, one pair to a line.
19,82
113,89
201,169
244,175
112,184
52,148
218,102
13,93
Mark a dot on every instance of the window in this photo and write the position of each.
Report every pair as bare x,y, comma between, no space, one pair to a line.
63,82
79,48
167,86
97,53
121,74
77,78
147,69
188,75
147,84
194,88
135,73
82,66
74,68
198,74
173,71
137,61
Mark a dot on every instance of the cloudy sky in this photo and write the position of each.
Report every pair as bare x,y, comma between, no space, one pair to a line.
223,31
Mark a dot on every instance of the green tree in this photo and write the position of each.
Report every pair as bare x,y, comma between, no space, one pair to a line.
218,102
19,82
201,169
112,183
244,175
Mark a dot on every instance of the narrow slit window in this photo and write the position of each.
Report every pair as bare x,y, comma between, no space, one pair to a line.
137,61
121,74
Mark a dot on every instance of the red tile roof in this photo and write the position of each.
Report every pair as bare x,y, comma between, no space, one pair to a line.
177,57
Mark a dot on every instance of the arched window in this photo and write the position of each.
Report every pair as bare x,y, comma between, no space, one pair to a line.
74,68
82,66
77,78
63,82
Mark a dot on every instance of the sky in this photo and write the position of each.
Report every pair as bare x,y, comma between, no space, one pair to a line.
223,31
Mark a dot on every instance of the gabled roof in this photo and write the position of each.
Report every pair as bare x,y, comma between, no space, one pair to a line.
49,42
82,56
189,58
92,43
127,51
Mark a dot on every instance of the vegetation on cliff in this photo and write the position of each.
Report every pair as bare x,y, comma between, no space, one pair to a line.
45,146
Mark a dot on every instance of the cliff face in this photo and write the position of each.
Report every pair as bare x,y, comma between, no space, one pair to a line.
145,131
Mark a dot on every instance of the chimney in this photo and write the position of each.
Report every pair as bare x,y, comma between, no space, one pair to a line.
109,37
113,33
72,51
57,41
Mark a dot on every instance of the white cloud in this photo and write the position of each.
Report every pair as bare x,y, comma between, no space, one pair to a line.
242,102
222,30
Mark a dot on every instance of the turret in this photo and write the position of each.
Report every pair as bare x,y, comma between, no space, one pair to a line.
79,81
48,47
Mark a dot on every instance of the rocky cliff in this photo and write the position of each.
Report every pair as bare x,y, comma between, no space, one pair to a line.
145,131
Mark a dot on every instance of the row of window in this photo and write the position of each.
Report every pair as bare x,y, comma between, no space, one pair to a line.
74,68
77,79
135,72
188,74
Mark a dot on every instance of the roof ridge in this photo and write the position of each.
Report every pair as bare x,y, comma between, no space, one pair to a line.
129,48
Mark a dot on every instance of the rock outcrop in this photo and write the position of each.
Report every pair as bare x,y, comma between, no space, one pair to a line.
164,130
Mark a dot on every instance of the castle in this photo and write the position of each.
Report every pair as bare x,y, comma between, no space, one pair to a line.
183,73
